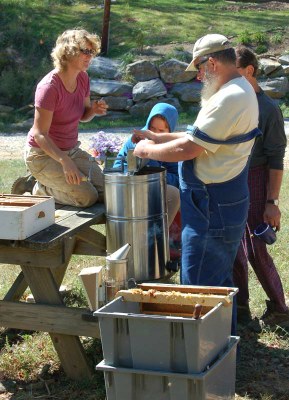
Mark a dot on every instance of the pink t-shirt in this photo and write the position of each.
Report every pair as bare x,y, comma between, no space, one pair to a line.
67,108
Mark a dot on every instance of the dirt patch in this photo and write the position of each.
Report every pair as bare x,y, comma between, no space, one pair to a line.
274,49
184,51
257,5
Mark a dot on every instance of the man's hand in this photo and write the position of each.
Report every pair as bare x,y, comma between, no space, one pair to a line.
272,216
142,148
99,107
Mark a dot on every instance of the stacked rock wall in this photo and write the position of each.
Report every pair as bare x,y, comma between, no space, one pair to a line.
133,90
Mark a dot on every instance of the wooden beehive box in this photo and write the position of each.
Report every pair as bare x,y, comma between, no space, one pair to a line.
178,300
23,216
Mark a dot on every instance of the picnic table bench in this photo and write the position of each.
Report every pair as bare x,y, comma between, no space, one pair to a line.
43,259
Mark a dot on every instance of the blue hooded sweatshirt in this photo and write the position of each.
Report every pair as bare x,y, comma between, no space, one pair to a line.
170,113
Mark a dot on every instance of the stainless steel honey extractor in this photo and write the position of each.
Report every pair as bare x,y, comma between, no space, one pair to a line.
136,212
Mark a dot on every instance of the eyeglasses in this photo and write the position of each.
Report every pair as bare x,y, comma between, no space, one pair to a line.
200,63
88,52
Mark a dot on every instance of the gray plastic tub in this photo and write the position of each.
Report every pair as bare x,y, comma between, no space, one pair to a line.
217,383
162,343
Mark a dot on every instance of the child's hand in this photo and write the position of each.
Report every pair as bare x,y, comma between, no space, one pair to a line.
140,135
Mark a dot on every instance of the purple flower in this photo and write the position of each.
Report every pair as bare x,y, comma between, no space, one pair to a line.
105,144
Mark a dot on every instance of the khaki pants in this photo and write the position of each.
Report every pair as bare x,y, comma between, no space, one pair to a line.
173,198
52,182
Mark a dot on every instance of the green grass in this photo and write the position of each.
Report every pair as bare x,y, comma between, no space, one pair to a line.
29,29
10,170
279,252
264,356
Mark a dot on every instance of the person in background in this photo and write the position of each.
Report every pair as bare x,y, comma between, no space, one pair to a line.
162,118
62,100
213,175
265,178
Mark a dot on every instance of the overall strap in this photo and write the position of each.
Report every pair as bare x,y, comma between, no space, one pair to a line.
195,131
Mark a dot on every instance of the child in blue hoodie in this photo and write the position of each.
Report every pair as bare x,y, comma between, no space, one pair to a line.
162,118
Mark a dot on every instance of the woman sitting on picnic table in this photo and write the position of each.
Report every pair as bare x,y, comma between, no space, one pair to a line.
62,99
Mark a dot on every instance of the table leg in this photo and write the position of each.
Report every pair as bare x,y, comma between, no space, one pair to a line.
17,289
69,348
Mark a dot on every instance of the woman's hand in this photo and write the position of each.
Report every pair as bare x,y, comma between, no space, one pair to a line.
140,135
99,107
72,174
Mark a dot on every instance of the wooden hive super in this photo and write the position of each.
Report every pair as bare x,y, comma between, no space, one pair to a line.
23,216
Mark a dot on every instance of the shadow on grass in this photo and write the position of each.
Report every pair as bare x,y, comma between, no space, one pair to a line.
55,385
263,369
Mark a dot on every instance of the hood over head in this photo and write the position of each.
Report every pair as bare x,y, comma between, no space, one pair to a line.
166,110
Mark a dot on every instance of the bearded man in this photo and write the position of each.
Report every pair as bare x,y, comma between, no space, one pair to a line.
214,168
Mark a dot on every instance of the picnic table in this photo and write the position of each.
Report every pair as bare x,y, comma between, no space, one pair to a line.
44,258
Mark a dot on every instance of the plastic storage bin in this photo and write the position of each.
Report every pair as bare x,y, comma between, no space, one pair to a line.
162,343
218,382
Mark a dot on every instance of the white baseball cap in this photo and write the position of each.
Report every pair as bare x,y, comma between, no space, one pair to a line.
208,44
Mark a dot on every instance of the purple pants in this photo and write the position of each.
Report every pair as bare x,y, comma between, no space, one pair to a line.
254,250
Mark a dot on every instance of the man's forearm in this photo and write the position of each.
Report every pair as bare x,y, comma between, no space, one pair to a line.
168,137
180,149
274,184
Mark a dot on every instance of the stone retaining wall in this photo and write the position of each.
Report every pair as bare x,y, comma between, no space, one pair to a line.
132,90
150,83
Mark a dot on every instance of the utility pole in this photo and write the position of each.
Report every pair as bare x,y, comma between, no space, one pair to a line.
105,27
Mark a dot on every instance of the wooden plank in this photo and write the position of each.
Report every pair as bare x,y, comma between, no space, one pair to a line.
188,288
92,242
52,257
87,249
172,309
17,289
171,314
173,297
66,227
63,214
20,200
22,204
45,318
91,236
69,348
59,272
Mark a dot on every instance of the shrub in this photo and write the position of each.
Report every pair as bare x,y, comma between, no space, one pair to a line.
127,58
259,38
262,48
245,38
277,38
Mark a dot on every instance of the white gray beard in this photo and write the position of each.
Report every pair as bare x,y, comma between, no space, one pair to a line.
210,87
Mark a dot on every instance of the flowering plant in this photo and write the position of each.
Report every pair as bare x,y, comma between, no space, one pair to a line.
105,144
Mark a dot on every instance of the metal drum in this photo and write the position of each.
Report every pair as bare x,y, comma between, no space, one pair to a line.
136,213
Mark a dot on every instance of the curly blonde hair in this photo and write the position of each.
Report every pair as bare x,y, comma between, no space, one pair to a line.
69,43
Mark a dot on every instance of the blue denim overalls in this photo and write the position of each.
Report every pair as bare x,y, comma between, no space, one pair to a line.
213,221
